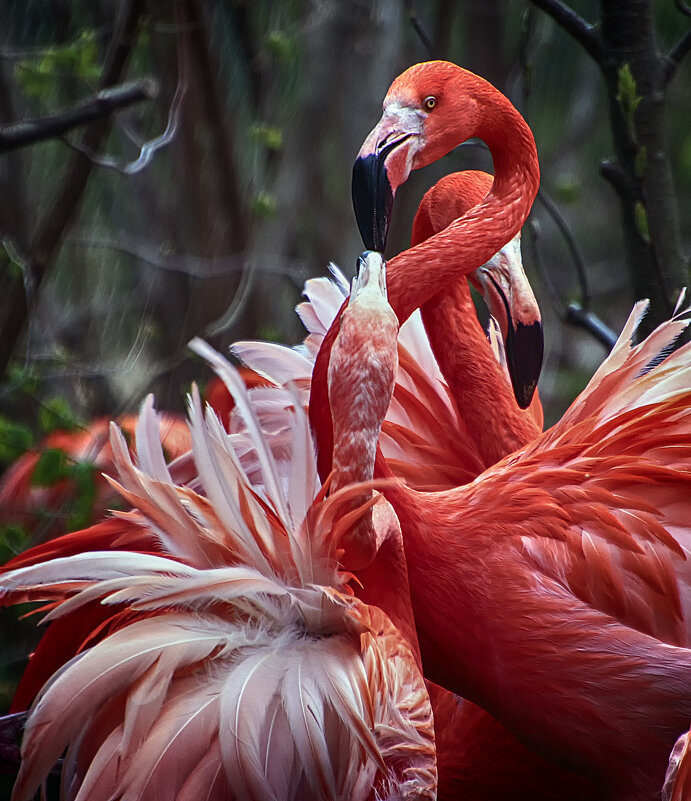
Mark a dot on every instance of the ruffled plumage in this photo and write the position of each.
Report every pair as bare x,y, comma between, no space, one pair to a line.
237,663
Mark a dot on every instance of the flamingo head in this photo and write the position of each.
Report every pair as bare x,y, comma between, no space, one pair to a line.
429,109
510,299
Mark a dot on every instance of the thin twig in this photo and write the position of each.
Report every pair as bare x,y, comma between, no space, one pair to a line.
582,31
683,7
296,270
676,56
551,208
573,313
417,27
26,132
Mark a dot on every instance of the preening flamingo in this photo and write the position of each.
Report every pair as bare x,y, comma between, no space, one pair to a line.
237,662
476,757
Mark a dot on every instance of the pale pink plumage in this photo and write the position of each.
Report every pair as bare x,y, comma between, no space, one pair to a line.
244,667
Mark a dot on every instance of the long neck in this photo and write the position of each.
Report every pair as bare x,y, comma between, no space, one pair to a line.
418,274
476,380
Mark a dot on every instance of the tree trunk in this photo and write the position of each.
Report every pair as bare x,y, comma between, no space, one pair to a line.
641,172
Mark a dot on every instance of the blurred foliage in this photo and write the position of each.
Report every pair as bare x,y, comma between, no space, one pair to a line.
15,438
43,75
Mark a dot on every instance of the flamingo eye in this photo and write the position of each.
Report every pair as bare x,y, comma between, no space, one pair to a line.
430,102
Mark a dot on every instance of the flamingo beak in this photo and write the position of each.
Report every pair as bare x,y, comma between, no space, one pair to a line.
371,275
382,165
510,299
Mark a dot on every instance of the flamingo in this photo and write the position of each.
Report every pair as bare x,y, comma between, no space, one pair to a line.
420,399
428,110
567,562
465,734
237,662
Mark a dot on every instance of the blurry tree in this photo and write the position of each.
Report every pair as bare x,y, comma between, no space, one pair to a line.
637,75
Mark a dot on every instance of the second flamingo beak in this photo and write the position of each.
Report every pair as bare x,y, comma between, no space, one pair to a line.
382,165
510,299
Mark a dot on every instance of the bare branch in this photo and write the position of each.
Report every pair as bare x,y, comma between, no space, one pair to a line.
102,104
582,31
553,211
573,313
612,172
296,270
417,27
676,56
592,324
683,7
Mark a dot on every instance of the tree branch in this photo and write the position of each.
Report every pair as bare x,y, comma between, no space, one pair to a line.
676,56
611,171
417,27
14,303
582,31
575,315
101,105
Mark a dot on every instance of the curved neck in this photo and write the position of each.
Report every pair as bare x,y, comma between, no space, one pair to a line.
418,274
474,376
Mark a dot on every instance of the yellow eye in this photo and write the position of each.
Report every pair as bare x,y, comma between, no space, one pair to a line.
430,103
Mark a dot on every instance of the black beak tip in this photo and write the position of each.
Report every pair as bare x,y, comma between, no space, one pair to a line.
524,351
372,201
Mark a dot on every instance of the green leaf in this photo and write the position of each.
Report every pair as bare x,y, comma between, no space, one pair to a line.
627,98
15,439
267,135
13,540
56,413
641,217
84,475
279,45
52,466
264,205
44,74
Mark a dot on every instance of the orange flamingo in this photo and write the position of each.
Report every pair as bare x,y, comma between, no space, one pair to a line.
462,757
567,569
430,109
466,735
241,665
